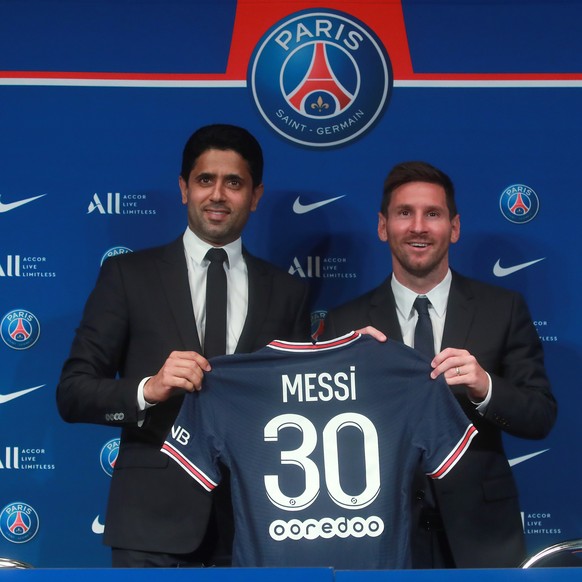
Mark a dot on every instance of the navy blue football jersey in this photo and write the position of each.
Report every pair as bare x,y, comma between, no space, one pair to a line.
322,442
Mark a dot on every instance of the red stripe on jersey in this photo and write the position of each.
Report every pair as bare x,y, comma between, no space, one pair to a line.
191,469
455,454
308,347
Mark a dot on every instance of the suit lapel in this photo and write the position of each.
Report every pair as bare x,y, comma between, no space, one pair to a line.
383,311
258,297
173,272
460,313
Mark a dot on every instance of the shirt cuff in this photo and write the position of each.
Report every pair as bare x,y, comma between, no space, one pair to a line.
142,405
482,406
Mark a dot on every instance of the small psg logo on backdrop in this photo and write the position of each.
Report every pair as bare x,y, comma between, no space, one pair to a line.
114,252
20,329
317,323
19,522
108,455
320,77
519,203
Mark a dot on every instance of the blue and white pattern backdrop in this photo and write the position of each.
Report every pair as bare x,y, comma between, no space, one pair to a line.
96,102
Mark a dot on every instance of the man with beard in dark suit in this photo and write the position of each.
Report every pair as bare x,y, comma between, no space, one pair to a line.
140,345
488,350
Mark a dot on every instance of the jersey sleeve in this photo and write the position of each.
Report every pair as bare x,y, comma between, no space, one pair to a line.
189,442
445,431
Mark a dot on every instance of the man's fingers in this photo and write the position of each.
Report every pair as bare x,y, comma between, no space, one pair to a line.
375,333
184,357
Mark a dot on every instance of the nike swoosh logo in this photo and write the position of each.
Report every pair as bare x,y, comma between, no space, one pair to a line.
500,271
13,205
299,208
8,397
96,527
518,460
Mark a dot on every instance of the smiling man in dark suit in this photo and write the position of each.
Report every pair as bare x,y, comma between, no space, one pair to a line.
487,349
140,345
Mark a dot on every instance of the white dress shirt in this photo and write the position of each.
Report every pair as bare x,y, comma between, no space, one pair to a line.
407,315
237,286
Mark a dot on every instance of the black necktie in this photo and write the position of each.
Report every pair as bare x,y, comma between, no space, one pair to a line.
423,338
215,332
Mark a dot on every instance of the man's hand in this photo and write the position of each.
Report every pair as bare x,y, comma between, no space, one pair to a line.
375,333
182,371
459,367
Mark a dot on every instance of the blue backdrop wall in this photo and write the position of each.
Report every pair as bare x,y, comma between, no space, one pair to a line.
96,102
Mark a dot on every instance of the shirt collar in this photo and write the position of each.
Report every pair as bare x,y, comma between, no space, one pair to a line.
196,249
438,296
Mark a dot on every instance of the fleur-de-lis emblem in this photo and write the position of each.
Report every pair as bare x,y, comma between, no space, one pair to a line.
319,105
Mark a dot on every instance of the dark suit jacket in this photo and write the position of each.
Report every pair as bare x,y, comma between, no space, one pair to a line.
139,312
478,501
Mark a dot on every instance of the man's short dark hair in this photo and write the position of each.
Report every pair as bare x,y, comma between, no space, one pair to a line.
224,137
407,172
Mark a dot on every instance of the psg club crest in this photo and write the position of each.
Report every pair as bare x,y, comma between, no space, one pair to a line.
519,203
108,455
317,323
320,78
18,522
113,252
20,329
